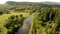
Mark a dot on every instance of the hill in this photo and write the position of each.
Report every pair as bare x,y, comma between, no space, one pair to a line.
33,3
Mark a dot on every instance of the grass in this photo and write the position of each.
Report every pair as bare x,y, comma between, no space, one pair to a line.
4,17
3,30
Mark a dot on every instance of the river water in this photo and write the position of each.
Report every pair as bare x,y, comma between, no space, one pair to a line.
26,26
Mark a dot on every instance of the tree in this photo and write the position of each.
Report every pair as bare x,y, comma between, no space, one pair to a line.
13,23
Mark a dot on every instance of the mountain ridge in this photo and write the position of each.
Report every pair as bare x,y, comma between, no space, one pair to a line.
33,3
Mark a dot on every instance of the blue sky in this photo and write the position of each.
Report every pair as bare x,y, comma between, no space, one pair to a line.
3,1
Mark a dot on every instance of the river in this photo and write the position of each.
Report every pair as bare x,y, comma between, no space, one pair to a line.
26,26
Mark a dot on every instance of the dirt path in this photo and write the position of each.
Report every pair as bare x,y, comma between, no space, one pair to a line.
26,26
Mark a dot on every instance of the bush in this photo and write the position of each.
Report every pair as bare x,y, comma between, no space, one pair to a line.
1,12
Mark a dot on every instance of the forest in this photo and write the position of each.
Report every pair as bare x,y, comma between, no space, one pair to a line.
46,21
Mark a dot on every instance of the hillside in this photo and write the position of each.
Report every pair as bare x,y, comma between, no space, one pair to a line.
33,3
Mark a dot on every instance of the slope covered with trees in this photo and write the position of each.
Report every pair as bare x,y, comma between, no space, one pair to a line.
46,21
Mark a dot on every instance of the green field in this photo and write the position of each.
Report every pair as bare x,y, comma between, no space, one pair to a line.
5,16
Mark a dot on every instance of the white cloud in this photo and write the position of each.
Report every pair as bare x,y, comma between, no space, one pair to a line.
3,1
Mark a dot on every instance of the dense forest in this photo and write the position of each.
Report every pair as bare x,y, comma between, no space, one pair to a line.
46,21
46,17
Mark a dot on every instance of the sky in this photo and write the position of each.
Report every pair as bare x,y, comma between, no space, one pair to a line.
3,1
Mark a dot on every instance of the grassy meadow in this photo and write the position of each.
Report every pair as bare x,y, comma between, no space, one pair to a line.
5,16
